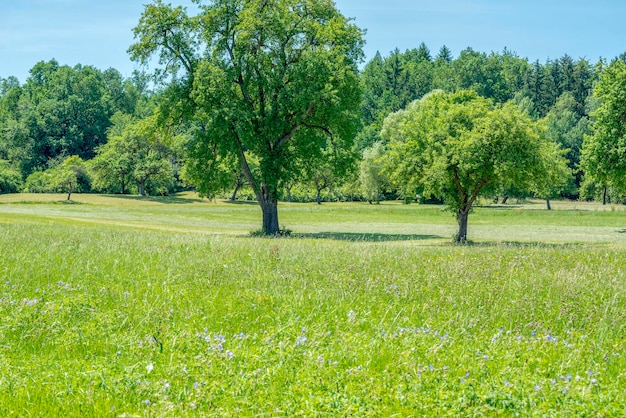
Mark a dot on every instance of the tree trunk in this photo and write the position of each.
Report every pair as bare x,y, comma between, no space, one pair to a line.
548,206
142,187
461,217
604,196
288,190
318,197
269,207
505,199
69,192
266,197
234,196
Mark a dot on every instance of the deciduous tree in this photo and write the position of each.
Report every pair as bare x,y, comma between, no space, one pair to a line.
460,146
264,79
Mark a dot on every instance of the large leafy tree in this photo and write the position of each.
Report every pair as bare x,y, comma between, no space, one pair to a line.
270,80
460,146
603,156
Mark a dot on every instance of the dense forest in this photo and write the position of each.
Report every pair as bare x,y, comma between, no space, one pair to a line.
81,129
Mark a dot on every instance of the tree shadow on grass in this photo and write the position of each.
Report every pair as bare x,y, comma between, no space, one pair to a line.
501,207
364,237
242,202
525,244
157,199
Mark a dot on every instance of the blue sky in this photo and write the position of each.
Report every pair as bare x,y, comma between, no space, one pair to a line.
98,32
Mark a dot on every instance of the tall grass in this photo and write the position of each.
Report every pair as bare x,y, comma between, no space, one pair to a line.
115,313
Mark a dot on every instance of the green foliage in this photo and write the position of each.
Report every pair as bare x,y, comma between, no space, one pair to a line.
67,176
556,175
38,182
10,178
567,129
137,151
603,159
61,111
373,182
460,146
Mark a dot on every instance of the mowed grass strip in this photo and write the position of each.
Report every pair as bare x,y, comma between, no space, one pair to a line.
102,319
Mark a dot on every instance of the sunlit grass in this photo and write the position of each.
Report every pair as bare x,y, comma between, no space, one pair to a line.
117,307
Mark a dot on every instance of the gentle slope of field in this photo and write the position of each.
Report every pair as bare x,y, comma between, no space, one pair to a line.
119,306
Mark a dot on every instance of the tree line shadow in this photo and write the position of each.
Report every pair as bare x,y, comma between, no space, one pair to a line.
379,237
173,199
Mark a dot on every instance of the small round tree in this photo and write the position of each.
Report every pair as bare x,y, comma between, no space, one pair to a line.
460,146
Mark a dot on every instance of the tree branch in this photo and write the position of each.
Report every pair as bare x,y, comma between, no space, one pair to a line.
323,129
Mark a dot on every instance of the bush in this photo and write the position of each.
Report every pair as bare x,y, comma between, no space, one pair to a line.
38,182
10,178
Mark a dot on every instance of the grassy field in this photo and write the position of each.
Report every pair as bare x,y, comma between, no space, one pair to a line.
125,306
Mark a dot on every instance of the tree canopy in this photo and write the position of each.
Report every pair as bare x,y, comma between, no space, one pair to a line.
603,157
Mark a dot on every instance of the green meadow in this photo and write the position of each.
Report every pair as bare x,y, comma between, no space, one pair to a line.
168,307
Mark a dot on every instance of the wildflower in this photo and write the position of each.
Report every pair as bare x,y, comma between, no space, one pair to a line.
568,377
485,357
230,354
150,367
507,384
594,381
301,340
537,387
166,386
351,316
196,385
147,402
